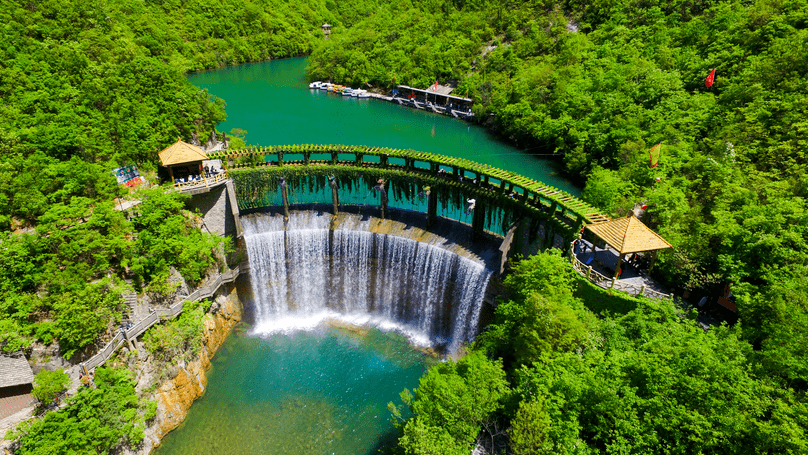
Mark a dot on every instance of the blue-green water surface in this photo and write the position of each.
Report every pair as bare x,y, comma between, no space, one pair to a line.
272,102
305,393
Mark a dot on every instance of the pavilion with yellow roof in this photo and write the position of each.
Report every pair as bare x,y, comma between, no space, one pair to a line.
628,235
183,159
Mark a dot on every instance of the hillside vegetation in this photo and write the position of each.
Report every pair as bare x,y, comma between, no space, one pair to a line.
568,380
600,83
89,86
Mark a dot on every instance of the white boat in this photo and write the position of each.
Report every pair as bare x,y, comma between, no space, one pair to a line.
363,94
315,85
347,91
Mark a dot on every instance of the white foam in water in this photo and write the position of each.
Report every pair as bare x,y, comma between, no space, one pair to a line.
305,274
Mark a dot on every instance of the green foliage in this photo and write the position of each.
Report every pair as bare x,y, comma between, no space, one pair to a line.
453,403
647,380
169,237
529,433
49,385
542,317
11,337
60,282
179,339
607,189
98,419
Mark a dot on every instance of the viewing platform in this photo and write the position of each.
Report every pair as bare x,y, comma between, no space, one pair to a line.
620,254
202,184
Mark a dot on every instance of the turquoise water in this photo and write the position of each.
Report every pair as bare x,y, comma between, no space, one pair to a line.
273,103
306,393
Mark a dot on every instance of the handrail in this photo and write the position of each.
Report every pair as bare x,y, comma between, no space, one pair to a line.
155,316
509,181
205,182
605,282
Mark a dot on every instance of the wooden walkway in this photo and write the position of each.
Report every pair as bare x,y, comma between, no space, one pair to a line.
154,317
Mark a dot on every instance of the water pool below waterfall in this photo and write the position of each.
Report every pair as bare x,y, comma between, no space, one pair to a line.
307,393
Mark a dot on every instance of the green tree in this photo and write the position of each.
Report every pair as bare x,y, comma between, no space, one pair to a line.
49,385
453,403
98,419
529,433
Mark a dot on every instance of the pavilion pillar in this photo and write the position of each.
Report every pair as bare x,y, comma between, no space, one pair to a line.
432,208
651,261
619,265
171,174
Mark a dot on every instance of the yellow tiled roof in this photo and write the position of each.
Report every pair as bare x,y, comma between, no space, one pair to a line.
181,152
628,235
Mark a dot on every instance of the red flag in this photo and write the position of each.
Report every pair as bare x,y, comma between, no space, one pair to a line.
709,81
435,87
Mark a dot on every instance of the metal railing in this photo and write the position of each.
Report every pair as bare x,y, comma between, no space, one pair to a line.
155,316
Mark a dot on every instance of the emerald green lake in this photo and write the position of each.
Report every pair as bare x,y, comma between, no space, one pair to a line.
323,391
272,102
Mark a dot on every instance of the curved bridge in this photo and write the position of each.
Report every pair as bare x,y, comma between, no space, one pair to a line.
269,176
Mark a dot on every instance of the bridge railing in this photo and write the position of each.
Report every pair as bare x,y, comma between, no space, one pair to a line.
156,316
532,194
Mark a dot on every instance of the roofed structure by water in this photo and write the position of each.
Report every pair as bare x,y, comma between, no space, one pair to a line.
15,371
437,93
628,235
180,153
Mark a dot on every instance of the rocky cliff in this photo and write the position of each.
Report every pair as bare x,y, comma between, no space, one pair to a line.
174,396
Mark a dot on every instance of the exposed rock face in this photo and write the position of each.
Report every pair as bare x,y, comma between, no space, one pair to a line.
175,396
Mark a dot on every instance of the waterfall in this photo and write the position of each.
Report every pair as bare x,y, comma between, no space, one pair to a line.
307,272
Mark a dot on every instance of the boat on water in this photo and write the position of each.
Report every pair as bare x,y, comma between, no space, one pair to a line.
347,91
316,85
362,94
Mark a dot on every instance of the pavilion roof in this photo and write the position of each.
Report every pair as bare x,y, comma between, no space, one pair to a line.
181,152
628,235
15,371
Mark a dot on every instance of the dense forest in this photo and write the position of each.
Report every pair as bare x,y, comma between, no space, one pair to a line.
599,84
88,86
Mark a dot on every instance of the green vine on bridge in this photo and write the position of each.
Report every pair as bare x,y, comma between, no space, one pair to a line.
544,195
